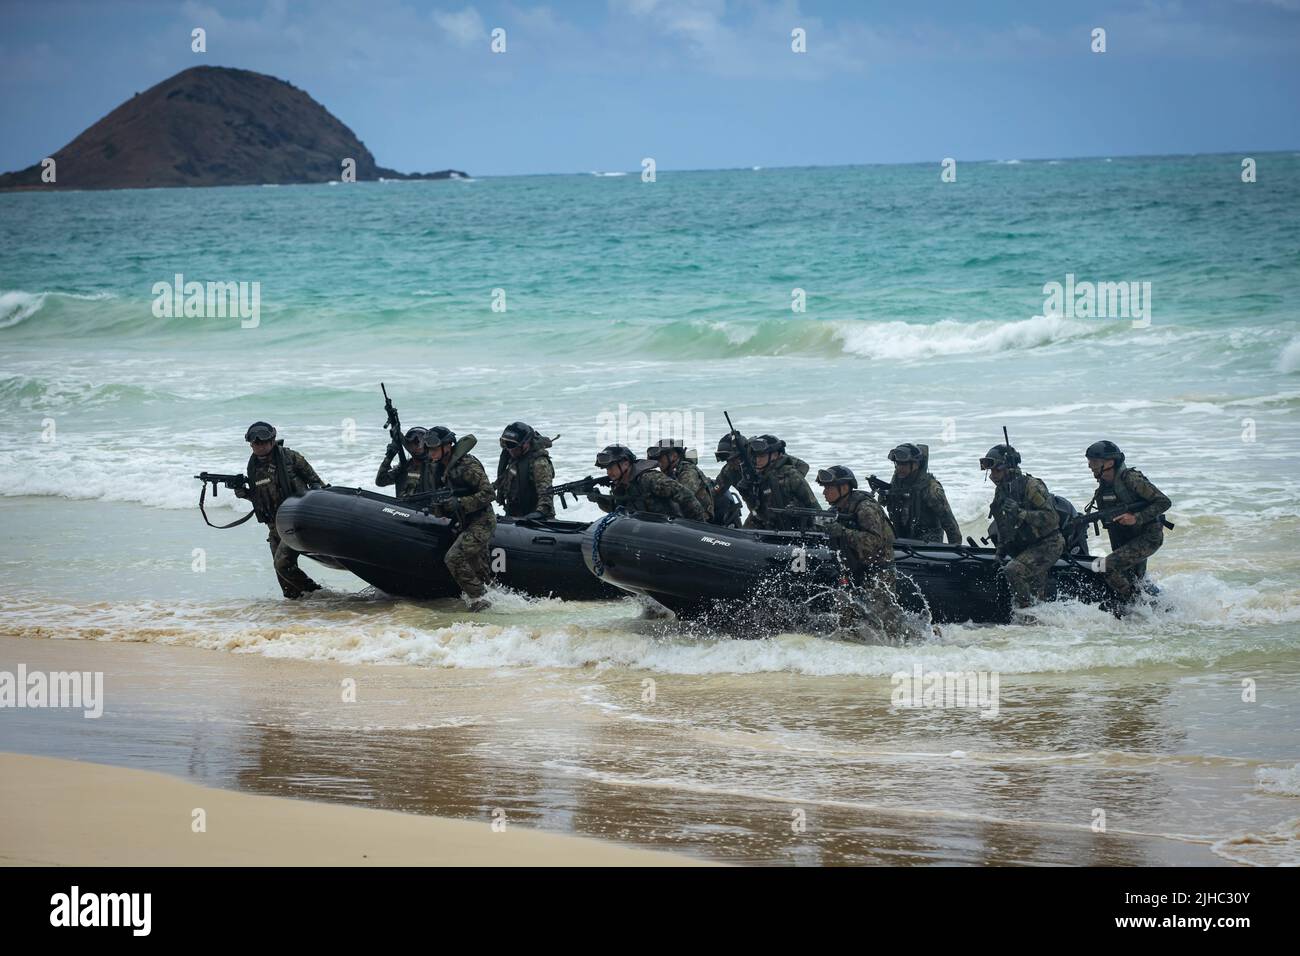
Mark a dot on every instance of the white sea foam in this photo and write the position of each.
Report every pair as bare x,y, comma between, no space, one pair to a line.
904,341
522,632
1279,780
16,306
1289,360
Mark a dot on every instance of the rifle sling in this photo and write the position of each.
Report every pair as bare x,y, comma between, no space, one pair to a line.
220,527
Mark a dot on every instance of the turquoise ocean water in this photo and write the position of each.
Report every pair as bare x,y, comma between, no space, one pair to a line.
662,304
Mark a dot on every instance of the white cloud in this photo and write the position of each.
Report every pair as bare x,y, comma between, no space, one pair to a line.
465,27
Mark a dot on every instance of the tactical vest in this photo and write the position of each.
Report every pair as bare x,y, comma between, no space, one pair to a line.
520,489
1016,489
906,513
703,487
636,495
449,476
771,494
1119,493
415,477
854,499
270,483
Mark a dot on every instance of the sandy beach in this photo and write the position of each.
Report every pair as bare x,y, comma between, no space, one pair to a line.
420,764
68,813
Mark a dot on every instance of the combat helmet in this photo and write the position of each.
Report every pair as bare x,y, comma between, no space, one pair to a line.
730,445
766,445
1102,450
439,435
666,445
516,434
837,475
611,454
1000,456
260,431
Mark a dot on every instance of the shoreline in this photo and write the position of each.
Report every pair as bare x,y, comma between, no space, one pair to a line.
61,812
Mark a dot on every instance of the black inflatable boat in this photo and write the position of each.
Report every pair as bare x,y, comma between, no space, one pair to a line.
399,549
695,569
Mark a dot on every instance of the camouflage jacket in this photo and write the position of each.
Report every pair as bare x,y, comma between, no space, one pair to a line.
868,543
414,477
732,475
282,474
653,491
688,473
919,509
1023,511
783,486
523,484
474,492
1131,487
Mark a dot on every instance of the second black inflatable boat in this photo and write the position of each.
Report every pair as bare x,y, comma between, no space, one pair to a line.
399,549
697,570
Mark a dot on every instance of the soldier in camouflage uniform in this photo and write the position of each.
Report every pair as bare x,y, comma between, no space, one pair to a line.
641,486
275,473
414,476
917,506
865,542
1028,528
781,485
470,511
1134,537
525,474
731,452
671,455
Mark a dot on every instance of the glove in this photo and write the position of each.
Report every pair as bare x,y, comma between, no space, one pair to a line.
835,531
594,496
391,452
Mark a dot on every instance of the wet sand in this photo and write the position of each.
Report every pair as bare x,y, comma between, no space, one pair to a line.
518,744
67,813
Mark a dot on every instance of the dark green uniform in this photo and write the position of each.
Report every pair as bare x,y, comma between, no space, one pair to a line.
283,474
1028,533
471,511
919,509
867,546
414,477
732,475
1131,545
651,490
687,473
782,485
523,484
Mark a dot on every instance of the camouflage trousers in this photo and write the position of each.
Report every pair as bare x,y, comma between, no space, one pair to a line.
873,604
293,580
1027,571
1128,562
468,557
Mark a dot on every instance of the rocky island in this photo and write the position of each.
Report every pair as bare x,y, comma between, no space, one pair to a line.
212,126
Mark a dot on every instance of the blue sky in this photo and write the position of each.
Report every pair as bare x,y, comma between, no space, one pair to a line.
693,83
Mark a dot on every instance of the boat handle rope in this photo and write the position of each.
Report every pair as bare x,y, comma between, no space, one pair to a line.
597,565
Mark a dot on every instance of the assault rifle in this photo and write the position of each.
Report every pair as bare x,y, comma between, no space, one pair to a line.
427,499
1105,517
235,482
878,484
393,424
748,468
582,486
